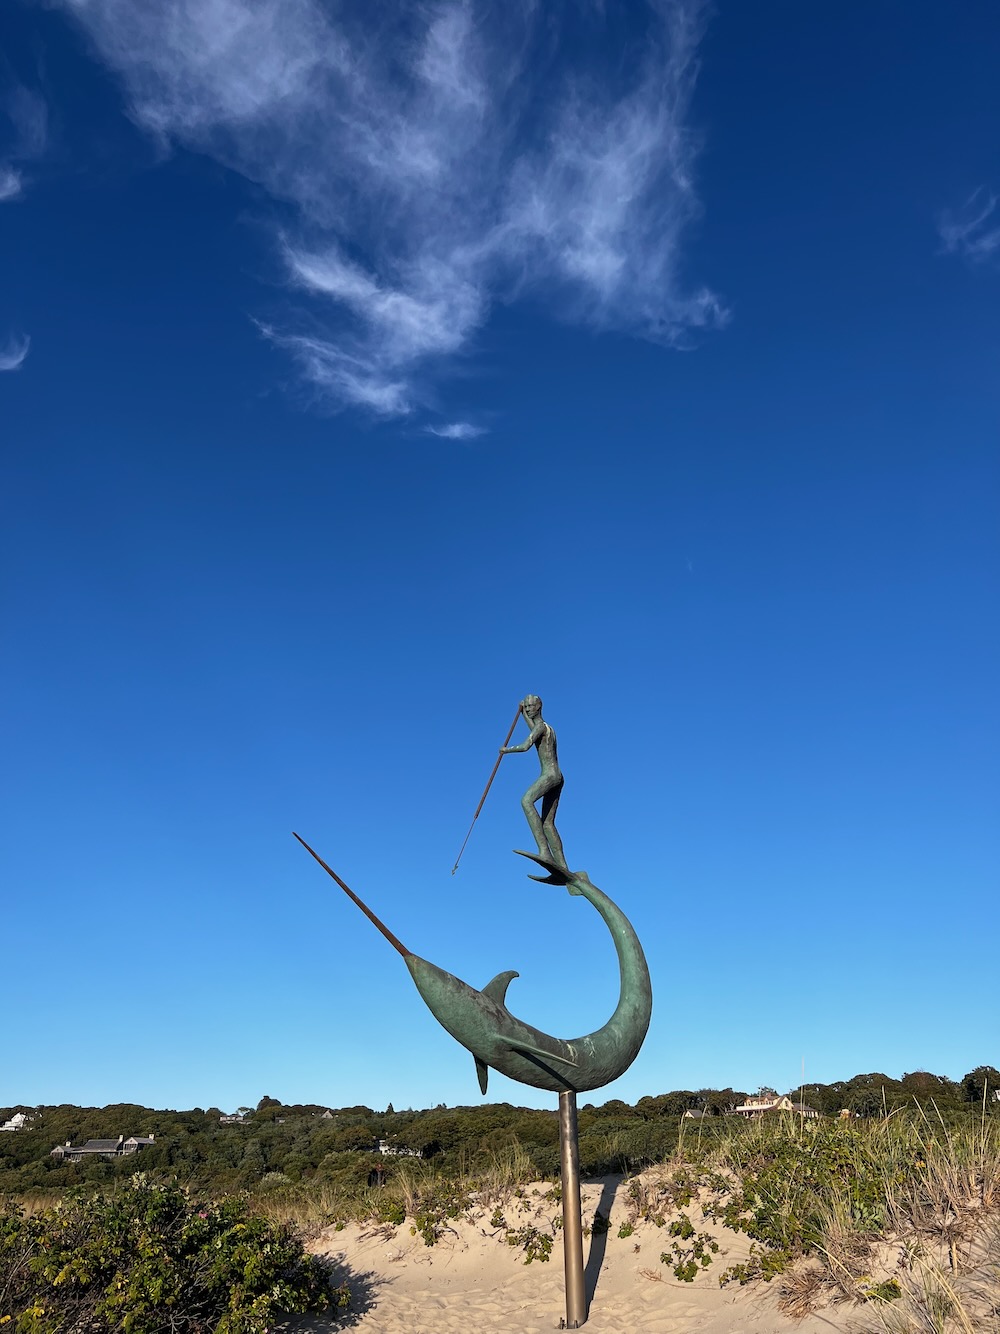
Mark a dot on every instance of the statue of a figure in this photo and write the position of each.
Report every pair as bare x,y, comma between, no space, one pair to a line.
548,785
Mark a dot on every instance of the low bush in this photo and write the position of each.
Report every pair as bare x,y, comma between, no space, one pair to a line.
148,1259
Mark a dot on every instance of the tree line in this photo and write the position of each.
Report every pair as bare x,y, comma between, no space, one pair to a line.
278,1144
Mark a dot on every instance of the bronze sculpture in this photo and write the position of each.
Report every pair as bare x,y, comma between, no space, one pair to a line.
482,1023
547,787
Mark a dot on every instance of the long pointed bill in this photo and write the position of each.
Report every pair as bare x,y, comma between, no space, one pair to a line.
397,945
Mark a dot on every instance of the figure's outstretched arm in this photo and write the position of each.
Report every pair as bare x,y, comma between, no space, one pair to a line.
536,732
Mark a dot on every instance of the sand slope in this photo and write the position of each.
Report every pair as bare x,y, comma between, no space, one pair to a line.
471,1281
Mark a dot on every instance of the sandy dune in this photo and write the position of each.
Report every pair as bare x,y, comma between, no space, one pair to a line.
471,1281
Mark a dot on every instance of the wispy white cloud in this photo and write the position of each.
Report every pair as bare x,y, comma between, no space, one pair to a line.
972,231
10,183
13,353
437,159
457,431
24,122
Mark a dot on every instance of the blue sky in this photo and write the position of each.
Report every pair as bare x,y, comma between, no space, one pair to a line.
358,378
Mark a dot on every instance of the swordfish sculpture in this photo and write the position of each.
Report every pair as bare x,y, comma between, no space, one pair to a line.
481,1021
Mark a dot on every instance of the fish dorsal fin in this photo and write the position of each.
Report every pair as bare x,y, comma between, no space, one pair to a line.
497,989
482,1071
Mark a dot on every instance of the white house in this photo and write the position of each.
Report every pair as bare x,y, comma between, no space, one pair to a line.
390,1150
763,1103
17,1122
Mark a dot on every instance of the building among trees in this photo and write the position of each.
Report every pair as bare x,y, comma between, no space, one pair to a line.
101,1148
763,1103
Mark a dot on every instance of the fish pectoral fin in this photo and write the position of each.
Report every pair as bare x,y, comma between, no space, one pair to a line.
483,1072
497,989
530,1050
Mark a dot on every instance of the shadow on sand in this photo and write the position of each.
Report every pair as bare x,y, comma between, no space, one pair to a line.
599,1240
364,1289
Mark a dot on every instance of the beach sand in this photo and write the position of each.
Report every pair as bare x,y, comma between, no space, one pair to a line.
471,1281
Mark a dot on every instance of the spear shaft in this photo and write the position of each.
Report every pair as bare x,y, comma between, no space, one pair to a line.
489,783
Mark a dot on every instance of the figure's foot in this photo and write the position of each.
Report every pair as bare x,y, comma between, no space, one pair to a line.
558,874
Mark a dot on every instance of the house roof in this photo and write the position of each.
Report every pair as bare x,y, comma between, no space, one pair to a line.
783,1102
99,1145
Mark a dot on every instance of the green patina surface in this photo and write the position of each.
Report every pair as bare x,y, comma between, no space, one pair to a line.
481,1021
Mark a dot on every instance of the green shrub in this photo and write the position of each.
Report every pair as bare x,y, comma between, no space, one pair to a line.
801,1189
791,1182
691,1250
537,1245
148,1259
887,1291
435,1205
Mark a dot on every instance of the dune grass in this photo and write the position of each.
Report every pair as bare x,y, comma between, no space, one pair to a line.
413,1189
900,1213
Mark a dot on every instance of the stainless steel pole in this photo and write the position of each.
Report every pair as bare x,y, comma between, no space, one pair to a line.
569,1146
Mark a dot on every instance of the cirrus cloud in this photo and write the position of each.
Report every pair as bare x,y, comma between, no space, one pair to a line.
430,161
13,353
457,431
972,230
10,183
24,117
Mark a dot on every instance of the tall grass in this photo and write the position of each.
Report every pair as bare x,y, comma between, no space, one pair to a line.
894,1209
935,1299
900,1213
413,1188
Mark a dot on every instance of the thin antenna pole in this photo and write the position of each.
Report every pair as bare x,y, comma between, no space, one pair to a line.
489,783
396,944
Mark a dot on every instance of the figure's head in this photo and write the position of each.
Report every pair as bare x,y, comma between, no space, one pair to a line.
531,706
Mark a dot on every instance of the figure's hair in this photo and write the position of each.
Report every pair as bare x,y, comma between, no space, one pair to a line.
530,699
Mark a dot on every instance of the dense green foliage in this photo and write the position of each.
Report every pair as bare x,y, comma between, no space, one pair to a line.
875,1094
280,1146
788,1185
111,1248
147,1258
802,1188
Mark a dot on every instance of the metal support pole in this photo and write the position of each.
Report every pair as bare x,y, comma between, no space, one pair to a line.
569,1147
